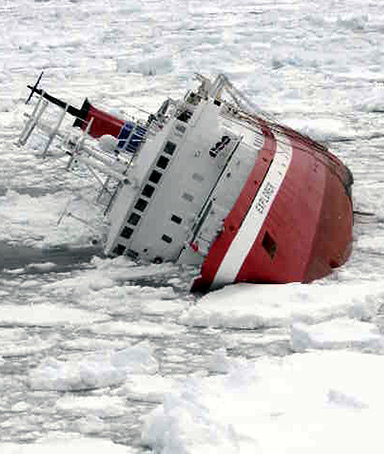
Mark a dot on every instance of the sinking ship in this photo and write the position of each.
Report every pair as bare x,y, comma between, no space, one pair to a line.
209,180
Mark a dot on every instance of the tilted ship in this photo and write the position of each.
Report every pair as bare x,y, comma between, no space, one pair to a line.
212,181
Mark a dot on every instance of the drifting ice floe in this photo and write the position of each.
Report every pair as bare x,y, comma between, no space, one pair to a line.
338,334
102,406
147,388
47,315
95,370
141,328
246,306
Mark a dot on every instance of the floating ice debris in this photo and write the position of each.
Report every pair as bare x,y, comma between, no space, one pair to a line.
147,388
139,328
102,406
96,370
338,334
246,306
47,315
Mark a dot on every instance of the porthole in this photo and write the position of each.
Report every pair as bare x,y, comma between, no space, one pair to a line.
167,239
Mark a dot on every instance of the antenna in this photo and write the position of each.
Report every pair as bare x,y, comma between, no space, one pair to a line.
34,88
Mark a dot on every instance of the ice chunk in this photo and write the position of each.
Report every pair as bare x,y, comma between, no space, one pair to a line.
94,370
147,388
139,328
337,334
248,306
24,347
163,307
101,406
47,315
87,344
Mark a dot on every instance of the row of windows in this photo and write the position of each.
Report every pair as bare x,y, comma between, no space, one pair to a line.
141,204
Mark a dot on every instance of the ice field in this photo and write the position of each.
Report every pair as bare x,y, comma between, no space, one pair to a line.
103,355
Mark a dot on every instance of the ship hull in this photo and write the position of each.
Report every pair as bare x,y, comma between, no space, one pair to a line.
292,221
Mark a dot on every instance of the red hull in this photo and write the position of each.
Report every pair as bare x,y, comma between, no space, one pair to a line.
307,230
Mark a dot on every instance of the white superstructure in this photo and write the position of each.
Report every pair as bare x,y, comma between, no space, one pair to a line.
172,179
178,199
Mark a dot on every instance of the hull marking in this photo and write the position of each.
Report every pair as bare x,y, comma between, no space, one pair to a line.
257,214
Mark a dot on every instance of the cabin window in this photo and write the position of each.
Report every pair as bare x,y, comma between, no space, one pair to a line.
119,249
169,148
141,204
134,219
127,232
269,244
148,190
162,162
155,176
188,197
167,239
176,219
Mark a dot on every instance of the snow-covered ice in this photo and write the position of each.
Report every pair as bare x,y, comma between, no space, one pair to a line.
147,388
340,333
148,329
46,315
105,355
105,406
314,402
248,306
97,370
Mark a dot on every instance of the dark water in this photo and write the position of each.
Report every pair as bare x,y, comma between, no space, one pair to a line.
20,256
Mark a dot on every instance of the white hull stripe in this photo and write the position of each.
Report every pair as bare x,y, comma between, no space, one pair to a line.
258,212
